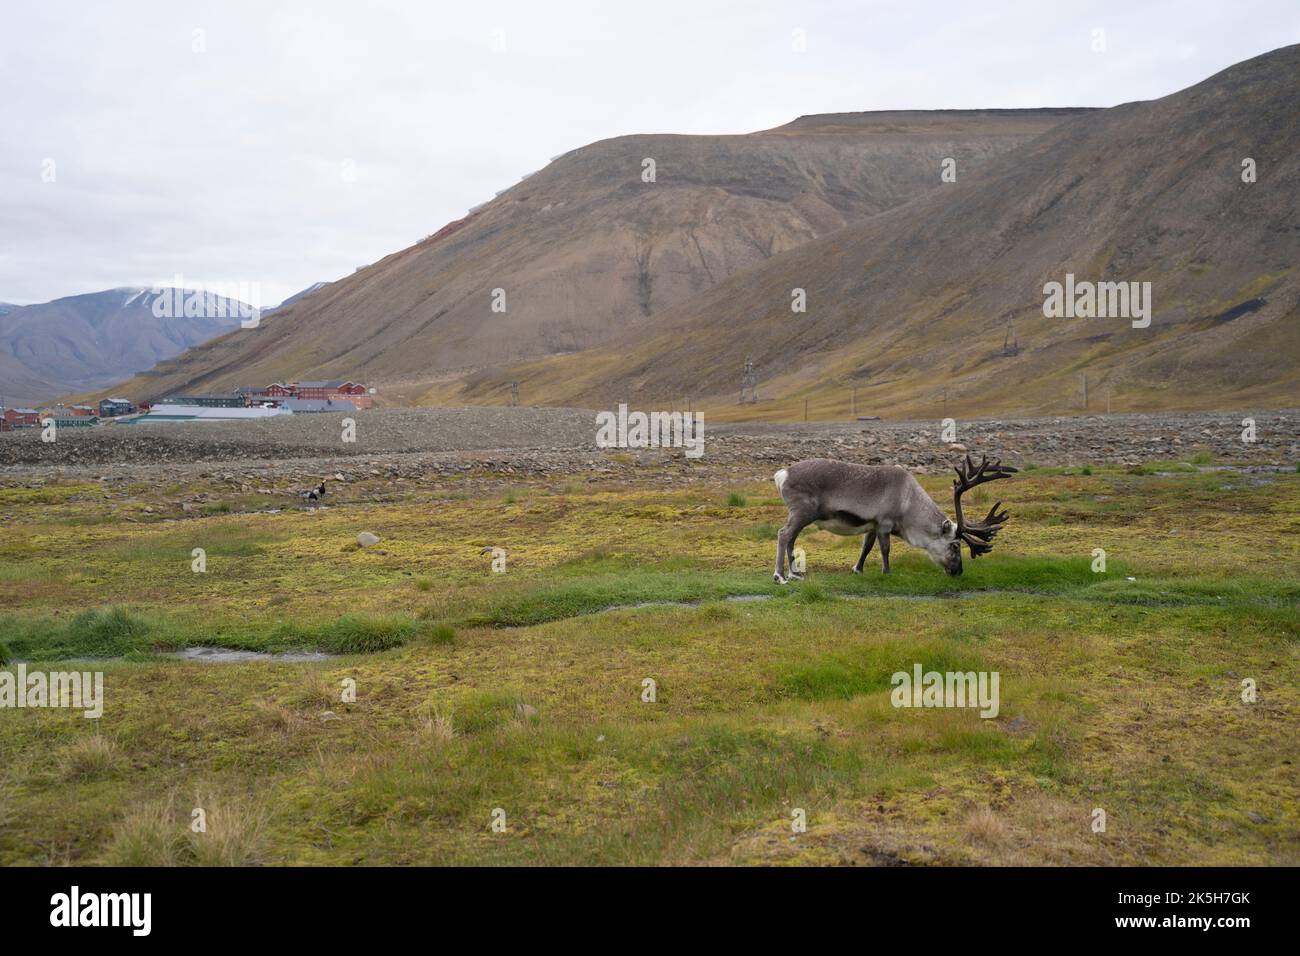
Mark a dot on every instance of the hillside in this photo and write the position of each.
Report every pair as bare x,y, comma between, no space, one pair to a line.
586,251
913,306
85,342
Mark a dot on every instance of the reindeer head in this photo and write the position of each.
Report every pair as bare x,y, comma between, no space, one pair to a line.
977,535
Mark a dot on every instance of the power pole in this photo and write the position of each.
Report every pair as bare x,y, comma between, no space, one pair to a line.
855,401
1084,376
805,409
514,394
749,384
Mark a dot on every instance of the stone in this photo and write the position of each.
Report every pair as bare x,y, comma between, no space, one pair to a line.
366,539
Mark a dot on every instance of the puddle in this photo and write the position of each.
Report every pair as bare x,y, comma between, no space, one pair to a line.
226,655
748,597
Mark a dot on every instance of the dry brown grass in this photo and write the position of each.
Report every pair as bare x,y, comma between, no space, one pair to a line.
87,756
230,830
437,728
984,827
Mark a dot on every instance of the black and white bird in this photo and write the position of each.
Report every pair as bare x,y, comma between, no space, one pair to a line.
317,493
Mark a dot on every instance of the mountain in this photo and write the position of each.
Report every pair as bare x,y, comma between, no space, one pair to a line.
585,250
913,306
314,287
86,342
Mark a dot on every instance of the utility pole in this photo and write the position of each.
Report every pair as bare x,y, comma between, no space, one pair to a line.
805,409
855,401
1084,376
749,384
514,394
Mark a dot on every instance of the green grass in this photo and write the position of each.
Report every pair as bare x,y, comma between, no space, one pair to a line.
524,690
866,671
117,632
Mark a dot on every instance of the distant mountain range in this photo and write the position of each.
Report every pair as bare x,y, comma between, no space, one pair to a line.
85,343
315,287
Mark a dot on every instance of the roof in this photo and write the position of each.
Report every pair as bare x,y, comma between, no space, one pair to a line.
115,401
317,405
211,412
181,398
334,384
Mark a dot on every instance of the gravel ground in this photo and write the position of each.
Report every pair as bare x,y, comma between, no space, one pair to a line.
427,442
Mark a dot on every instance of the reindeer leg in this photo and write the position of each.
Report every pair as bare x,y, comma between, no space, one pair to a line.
868,541
884,551
795,575
798,520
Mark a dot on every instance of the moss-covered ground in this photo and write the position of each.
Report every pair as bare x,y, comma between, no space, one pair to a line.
524,691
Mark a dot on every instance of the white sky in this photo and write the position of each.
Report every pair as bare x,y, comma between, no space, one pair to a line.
232,164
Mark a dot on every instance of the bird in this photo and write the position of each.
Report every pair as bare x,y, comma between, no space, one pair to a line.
316,494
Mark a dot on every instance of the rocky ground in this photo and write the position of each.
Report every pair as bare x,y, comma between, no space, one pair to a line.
431,442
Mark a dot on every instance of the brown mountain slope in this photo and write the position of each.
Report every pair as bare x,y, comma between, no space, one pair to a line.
585,250
917,302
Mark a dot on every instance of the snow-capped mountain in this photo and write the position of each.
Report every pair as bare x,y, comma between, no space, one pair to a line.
83,342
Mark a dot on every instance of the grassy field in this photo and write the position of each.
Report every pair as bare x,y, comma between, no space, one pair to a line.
523,691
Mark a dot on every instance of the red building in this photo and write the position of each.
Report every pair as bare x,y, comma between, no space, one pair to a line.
22,417
334,390
353,392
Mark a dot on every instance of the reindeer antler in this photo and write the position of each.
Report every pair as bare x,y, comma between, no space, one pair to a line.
979,535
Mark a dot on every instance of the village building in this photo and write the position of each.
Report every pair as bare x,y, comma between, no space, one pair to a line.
316,405
165,412
71,421
21,418
112,407
230,400
354,392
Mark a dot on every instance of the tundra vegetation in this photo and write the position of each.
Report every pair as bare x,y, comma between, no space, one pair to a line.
1120,690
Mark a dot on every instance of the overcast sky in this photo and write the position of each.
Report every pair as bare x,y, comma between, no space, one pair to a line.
279,144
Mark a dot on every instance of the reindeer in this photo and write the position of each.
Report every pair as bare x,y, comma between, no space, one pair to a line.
882,500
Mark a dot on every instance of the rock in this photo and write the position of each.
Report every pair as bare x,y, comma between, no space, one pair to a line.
330,715
526,711
1254,817
366,539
